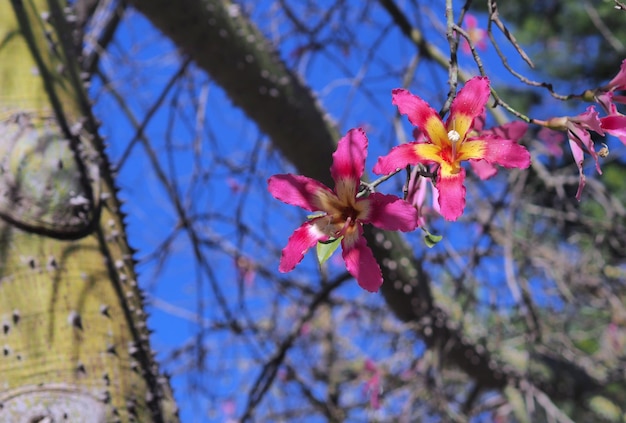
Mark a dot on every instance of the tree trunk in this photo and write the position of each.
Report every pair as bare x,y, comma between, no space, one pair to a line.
75,341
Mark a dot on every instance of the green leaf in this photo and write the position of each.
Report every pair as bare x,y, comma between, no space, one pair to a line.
431,240
326,249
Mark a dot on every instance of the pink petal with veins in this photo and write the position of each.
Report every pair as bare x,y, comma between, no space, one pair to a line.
511,131
506,153
421,115
452,195
360,262
580,135
349,158
297,190
303,238
483,169
579,157
391,213
398,158
616,126
469,102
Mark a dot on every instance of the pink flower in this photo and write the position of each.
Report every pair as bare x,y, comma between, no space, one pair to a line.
552,141
579,138
450,143
246,270
476,35
234,185
344,212
372,385
228,410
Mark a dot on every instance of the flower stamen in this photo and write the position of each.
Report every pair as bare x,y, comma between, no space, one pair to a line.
345,228
454,138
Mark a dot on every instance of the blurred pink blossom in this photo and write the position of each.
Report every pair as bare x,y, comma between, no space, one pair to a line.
552,142
478,36
246,270
372,384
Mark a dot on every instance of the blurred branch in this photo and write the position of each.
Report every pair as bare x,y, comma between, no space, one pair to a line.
428,50
603,29
105,17
223,42
265,379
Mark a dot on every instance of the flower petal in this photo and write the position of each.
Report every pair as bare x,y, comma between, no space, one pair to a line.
390,212
416,189
511,131
507,153
606,101
579,157
579,134
479,123
299,191
468,105
451,194
407,154
615,125
483,168
589,119
619,81
552,141
360,261
470,21
349,163
472,149
621,99
303,238
422,115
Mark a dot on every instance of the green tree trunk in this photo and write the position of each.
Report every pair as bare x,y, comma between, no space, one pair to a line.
75,346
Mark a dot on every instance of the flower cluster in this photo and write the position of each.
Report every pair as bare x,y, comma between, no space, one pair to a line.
615,122
579,127
476,34
341,212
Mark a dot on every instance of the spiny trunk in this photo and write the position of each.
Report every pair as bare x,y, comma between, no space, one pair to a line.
75,341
